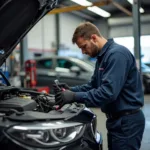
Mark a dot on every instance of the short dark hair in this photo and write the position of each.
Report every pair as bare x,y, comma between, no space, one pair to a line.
85,30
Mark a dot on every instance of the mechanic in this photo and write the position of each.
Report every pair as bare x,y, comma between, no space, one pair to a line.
115,87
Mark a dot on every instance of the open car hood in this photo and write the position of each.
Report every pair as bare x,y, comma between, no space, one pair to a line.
17,17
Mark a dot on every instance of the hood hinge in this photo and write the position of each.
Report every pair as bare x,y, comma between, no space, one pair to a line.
52,3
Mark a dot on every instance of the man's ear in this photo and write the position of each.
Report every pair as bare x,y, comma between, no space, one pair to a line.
94,37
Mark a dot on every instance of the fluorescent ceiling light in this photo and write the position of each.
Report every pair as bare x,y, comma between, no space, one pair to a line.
130,1
141,9
82,2
99,11
94,9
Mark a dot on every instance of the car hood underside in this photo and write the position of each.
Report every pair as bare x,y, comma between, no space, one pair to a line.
17,17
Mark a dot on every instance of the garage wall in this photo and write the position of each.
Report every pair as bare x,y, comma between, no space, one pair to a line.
127,30
68,23
121,27
43,37
103,26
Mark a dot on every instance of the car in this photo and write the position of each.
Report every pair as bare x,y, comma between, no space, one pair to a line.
31,120
70,70
145,77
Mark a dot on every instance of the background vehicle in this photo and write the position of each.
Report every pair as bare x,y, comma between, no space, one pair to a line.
146,77
72,71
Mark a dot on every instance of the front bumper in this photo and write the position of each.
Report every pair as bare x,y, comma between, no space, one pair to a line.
81,144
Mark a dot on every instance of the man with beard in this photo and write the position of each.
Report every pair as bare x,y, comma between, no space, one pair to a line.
115,87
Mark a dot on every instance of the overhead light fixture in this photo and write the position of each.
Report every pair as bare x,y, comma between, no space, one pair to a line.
99,11
141,9
94,9
82,2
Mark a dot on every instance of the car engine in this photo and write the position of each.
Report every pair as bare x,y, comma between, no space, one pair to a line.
16,99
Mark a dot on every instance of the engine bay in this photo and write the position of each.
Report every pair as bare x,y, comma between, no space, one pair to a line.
27,105
24,100
17,103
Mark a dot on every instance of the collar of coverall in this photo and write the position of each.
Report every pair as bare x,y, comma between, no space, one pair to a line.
105,47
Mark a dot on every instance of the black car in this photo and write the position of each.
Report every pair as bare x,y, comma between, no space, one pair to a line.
29,119
72,71
146,77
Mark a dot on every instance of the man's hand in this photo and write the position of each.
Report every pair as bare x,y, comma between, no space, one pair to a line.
64,97
57,87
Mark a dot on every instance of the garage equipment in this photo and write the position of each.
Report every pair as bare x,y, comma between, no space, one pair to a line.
30,80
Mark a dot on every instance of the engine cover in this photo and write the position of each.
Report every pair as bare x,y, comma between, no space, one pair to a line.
20,104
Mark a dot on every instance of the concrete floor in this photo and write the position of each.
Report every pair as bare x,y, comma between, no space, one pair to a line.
146,137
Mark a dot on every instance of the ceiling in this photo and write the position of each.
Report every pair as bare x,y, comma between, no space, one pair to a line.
114,10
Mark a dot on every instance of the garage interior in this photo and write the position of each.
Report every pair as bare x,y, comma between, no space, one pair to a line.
127,21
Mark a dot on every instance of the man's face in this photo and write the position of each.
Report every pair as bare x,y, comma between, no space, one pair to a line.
88,47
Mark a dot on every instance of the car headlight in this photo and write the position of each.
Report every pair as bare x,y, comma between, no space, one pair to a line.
45,134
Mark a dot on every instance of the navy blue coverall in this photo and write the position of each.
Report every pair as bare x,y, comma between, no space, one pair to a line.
116,87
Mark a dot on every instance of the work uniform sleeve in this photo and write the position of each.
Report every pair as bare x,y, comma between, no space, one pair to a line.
112,81
85,87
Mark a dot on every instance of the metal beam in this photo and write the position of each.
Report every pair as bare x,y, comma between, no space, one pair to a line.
23,50
57,31
137,32
126,11
83,15
78,7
